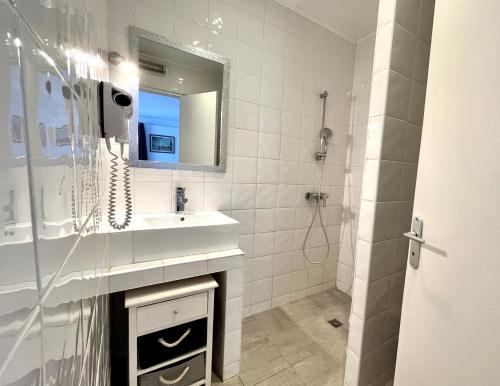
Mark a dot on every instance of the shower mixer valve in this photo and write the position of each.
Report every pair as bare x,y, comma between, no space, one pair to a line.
317,196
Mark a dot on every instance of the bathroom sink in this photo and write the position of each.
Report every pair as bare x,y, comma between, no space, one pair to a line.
173,220
160,236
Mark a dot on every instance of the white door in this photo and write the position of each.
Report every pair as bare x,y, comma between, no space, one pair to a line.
198,128
450,326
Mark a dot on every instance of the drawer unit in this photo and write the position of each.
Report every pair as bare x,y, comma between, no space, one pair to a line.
164,345
161,315
170,332
183,373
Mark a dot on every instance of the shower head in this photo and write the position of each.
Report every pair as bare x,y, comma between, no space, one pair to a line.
324,135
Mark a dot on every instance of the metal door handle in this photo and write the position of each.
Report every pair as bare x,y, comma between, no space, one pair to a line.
416,241
414,236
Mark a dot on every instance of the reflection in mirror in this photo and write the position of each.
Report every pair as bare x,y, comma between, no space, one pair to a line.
182,100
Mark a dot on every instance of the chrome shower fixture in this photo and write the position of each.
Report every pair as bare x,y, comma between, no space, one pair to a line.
325,133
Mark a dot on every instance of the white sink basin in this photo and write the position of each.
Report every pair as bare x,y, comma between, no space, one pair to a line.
172,220
160,236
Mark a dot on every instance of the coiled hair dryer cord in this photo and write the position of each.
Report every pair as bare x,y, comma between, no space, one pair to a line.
113,181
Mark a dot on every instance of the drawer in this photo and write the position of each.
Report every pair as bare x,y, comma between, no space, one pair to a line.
164,345
160,315
182,373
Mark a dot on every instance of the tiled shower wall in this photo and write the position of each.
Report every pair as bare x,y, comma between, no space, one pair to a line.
395,122
50,254
355,161
280,63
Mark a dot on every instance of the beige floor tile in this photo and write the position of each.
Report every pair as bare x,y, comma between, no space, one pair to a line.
287,377
268,322
294,345
320,370
332,340
326,299
259,361
301,309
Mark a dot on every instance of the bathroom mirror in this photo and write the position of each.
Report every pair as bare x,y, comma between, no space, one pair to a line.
180,114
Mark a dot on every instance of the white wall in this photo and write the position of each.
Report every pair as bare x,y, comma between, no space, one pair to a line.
280,64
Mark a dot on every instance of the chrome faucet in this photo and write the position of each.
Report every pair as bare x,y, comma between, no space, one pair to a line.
10,208
318,197
180,199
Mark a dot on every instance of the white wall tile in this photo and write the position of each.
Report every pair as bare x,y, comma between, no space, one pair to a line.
296,24
248,87
276,14
426,18
261,290
265,220
291,124
295,48
189,32
250,29
217,196
243,196
268,171
246,143
246,115
244,170
220,9
273,67
274,40
417,103
407,13
271,94
269,146
154,19
263,244
398,95
194,10
270,120
403,50
255,7
249,58
266,196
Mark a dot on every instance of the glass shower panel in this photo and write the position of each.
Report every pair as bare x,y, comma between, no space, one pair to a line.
19,310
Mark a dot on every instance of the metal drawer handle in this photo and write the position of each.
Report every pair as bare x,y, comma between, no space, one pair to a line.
176,380
164,343
414,236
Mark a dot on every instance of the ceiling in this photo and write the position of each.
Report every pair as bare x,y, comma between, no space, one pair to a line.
353,19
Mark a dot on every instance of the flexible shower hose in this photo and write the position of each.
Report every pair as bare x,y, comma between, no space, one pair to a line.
316,211
113,188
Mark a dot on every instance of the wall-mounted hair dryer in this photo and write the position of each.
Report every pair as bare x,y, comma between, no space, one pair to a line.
115,109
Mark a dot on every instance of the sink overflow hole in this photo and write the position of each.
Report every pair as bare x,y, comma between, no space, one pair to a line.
335,323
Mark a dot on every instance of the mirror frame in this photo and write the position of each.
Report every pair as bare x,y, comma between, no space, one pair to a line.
135,34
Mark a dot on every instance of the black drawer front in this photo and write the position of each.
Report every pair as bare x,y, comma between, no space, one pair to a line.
182,373
167,344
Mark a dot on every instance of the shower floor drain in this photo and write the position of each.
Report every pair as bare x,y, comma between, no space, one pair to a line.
335,323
